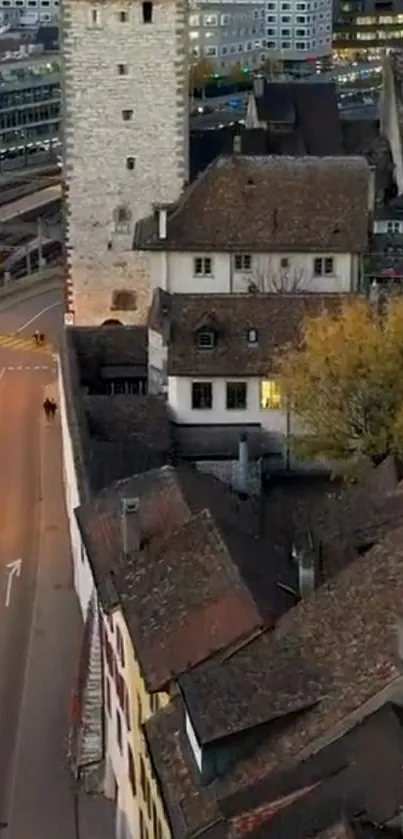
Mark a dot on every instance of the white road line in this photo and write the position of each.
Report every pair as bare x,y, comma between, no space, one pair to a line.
38,315
2,371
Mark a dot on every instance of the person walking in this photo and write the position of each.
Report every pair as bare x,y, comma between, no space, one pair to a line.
53,408
47,407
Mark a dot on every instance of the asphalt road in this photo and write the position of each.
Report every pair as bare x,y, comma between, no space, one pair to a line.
24,372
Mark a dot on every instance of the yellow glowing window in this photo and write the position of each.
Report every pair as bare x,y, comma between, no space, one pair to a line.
270,395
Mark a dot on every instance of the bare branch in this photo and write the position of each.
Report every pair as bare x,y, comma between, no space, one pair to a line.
289,280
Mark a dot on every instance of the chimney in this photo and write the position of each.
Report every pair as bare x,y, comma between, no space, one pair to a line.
130,525
371,190
162,223
306,571
243,464
237,145
258,86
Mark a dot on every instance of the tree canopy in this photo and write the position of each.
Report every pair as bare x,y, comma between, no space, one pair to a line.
344,384
200,73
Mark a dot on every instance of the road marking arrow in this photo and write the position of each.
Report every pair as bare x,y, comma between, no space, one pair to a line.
14,571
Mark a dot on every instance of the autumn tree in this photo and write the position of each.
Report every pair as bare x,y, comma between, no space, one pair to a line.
200,73
236,73
343,384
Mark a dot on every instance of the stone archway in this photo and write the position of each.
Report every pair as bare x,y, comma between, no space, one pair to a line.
112,322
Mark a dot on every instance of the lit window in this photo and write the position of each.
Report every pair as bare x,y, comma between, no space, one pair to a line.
243,262
270,395
210,20
236,396
202,266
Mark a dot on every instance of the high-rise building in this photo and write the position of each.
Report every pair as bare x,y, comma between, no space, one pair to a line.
125,99
299,33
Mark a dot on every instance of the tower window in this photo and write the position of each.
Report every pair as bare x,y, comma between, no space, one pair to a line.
127,114
122,70
130,163
95,17
147,12
123,17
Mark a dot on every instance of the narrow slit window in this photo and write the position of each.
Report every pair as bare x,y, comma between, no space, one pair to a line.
147,11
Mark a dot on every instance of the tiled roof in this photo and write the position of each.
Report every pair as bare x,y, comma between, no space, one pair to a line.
177,611
266,204
108,346
339,521
348,629
277,680
358,774
278,319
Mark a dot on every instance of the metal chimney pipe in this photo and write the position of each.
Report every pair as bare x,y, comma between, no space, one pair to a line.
258,86
129,513
243,463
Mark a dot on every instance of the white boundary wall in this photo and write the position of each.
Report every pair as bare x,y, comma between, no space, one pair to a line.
83,579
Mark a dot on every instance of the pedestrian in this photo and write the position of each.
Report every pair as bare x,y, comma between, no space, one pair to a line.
47,407
36,337
53,408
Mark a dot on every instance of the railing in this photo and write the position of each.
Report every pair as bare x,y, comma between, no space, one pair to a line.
46,276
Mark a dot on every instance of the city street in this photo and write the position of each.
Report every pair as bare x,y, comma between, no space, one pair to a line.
40,621
21,396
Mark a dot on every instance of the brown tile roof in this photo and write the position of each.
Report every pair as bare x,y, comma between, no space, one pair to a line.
347,629
181,593
277,680
278,319
187,601
266,204
340,521
359,773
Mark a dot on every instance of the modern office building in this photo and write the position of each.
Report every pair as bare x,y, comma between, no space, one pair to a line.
228,32
299,33
27,13
29,106
366,27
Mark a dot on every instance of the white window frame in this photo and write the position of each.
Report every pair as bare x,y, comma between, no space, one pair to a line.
326,266
243,262
202,266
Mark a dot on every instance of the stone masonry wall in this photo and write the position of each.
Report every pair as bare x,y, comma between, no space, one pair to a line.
114,62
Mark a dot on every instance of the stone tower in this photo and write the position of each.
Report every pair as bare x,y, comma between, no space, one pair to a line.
125,94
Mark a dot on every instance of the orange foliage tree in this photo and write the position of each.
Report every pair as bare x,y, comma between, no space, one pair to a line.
343,383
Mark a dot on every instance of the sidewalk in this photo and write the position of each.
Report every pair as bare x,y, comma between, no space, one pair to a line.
43,806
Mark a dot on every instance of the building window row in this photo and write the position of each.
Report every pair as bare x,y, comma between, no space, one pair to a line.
203,265
236,396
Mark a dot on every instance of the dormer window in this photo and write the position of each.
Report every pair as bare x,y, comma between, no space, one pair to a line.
206,339
252,336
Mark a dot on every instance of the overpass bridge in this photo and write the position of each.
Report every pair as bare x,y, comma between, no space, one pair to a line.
34,201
